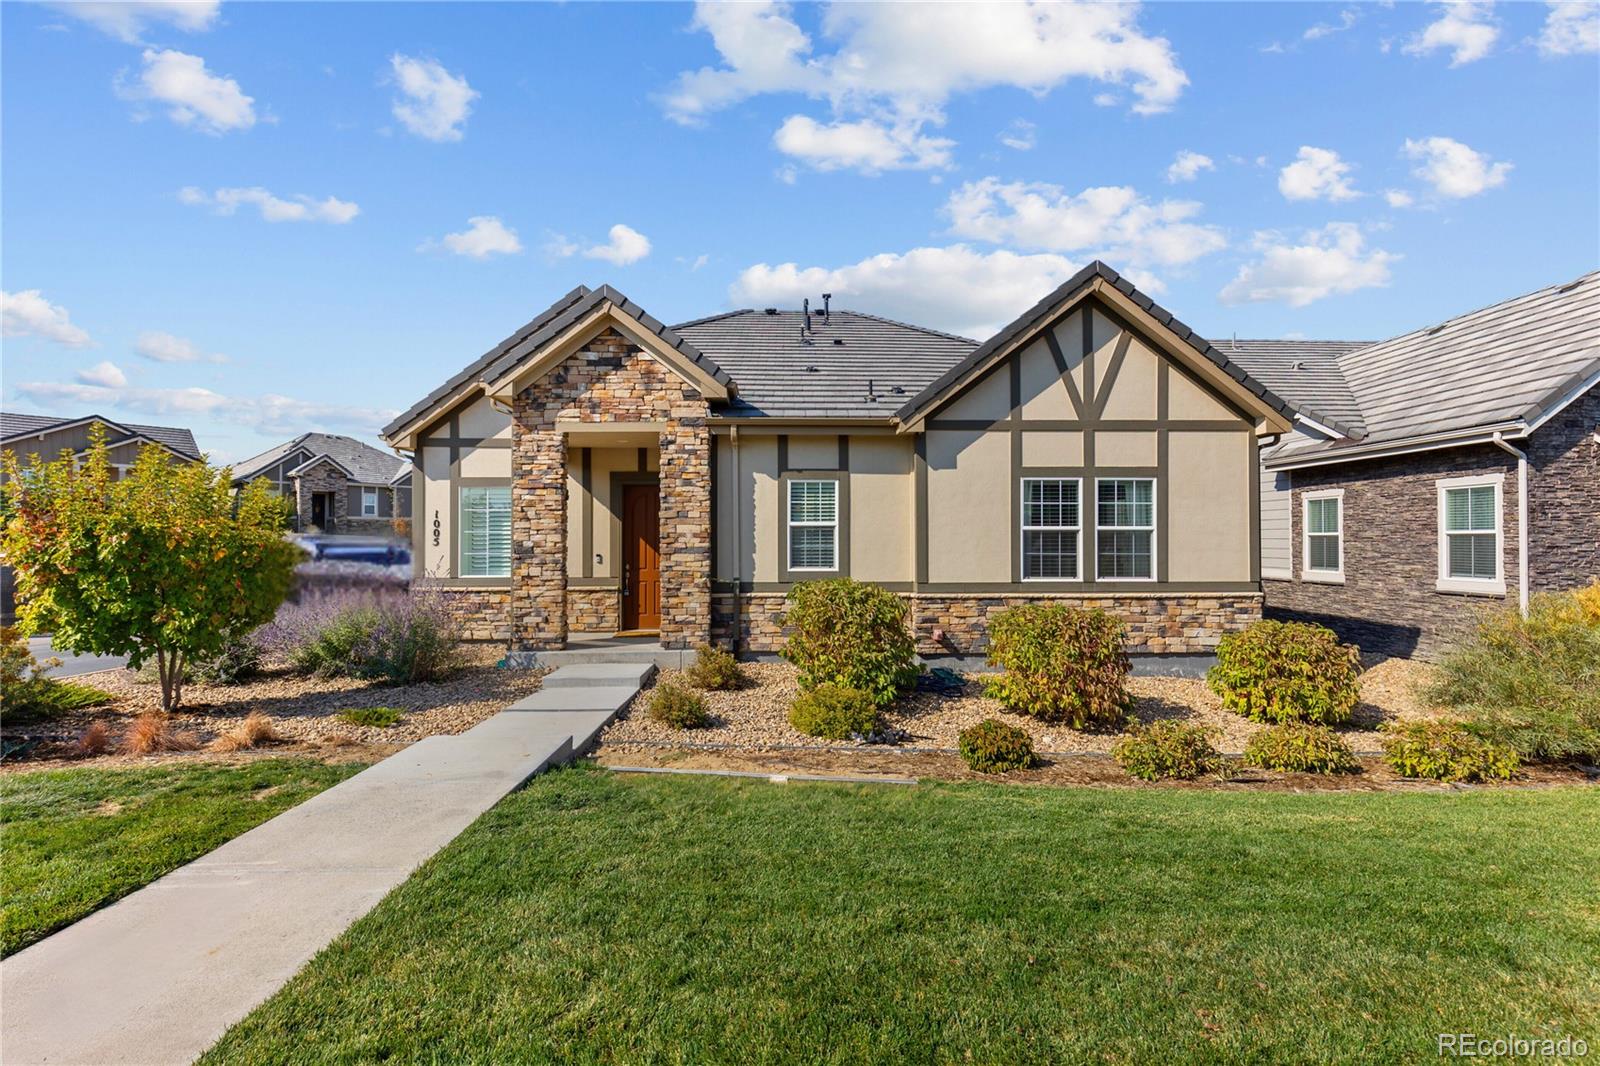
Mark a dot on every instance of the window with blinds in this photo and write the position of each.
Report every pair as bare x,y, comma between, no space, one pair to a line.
369,503
485,532
1125,521
1471,533
1050,527
1324,530
813,525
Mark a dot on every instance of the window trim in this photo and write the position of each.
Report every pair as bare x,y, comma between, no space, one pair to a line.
364,512
1024,529
1154,528
790,525
1472,586
459,533
1307,572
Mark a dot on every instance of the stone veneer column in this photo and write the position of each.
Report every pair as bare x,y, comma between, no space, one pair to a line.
686,528
538,528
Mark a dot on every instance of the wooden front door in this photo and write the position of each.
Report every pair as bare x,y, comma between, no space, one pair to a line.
641,557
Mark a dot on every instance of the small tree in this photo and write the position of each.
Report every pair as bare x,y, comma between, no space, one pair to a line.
164,564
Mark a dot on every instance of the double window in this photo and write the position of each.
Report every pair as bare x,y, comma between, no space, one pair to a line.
813,507
486,531
1125,528
1323,518
369,503
1051,528
1469,535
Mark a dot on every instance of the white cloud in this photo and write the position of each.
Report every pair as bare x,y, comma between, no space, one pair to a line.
867,146
270,412
434,103
1467,29
1328,261
1570,29
273,209
788,174
627,245
1398,198
956,288
193,96
1021,135
1106,99
28,313
1347,19
1109,222
484,236
1454,170
160,347
1317,174
126,20
1188,165
106,374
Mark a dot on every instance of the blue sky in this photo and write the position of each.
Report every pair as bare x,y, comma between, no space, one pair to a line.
260,219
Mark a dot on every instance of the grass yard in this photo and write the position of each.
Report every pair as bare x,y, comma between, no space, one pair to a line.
611,918
72,841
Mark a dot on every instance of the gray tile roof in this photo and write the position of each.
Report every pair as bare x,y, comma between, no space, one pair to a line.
366,464
1306,373
847,365
14,424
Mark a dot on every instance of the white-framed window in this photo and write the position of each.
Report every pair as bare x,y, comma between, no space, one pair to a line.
813,524
1052,528
1322,536
1470,514
486,531
369,503
1125,529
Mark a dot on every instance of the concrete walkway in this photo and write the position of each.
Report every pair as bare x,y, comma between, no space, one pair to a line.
158,976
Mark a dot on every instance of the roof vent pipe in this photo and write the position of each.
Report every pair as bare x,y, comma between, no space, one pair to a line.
805,318
827,309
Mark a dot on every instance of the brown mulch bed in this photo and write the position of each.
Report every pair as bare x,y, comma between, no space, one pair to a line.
756,717
304,711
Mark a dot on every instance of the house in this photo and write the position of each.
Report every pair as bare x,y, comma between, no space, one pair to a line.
335,484
47,436
1435,473
600,472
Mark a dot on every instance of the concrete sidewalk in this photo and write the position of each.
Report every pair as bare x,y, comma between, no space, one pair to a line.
160,975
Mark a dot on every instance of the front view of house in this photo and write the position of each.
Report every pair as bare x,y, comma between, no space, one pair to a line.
599,472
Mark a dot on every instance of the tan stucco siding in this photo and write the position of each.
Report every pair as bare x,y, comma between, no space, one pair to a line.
1043,394
807,452
1135,448
1209,484
969,506
881,509
1052,449
1185,399
754,488
990,398
1132,393
482,419
438,560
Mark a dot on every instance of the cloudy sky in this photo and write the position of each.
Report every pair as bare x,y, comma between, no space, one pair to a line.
260,219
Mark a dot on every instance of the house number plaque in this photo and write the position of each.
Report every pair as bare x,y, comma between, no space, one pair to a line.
435,529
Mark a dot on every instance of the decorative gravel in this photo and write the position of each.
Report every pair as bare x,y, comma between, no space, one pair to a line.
756,717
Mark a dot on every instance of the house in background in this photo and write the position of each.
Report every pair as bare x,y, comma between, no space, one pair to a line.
600,472
47,436
335,484
1429,475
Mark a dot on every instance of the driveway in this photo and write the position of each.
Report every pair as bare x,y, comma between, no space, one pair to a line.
73,665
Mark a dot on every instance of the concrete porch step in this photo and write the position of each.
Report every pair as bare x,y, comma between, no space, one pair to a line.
667,658
600,675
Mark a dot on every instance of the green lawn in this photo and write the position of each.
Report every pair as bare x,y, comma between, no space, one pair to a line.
72,841
605,918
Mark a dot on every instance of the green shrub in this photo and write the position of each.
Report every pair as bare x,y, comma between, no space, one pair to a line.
715,669
1531,683
1061,664
993,747
400,641
1166,749
835,712
28,693
238,660
382,717
1298,748
1287,672
1444,751
673,705
850,633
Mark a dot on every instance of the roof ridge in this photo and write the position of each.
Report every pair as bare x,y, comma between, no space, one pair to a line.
908,325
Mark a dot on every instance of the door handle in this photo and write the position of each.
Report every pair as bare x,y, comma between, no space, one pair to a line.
627,578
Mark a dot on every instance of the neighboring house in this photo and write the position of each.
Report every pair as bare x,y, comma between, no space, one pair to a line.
335,484
599,472
1433,474
47,436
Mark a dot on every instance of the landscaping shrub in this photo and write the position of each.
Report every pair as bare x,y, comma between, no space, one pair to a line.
673,705
1166,749
27,692
992,747
381,717
1062,664
1299,748
238,660
1444,751
96,740
153,732
256,729
850,633
1275,671
715,669
400,639
1531,683
834,712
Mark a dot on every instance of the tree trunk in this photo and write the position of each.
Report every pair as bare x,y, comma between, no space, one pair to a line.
170,666
177,681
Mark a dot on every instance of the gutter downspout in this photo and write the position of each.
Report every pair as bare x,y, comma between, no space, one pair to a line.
1522,520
